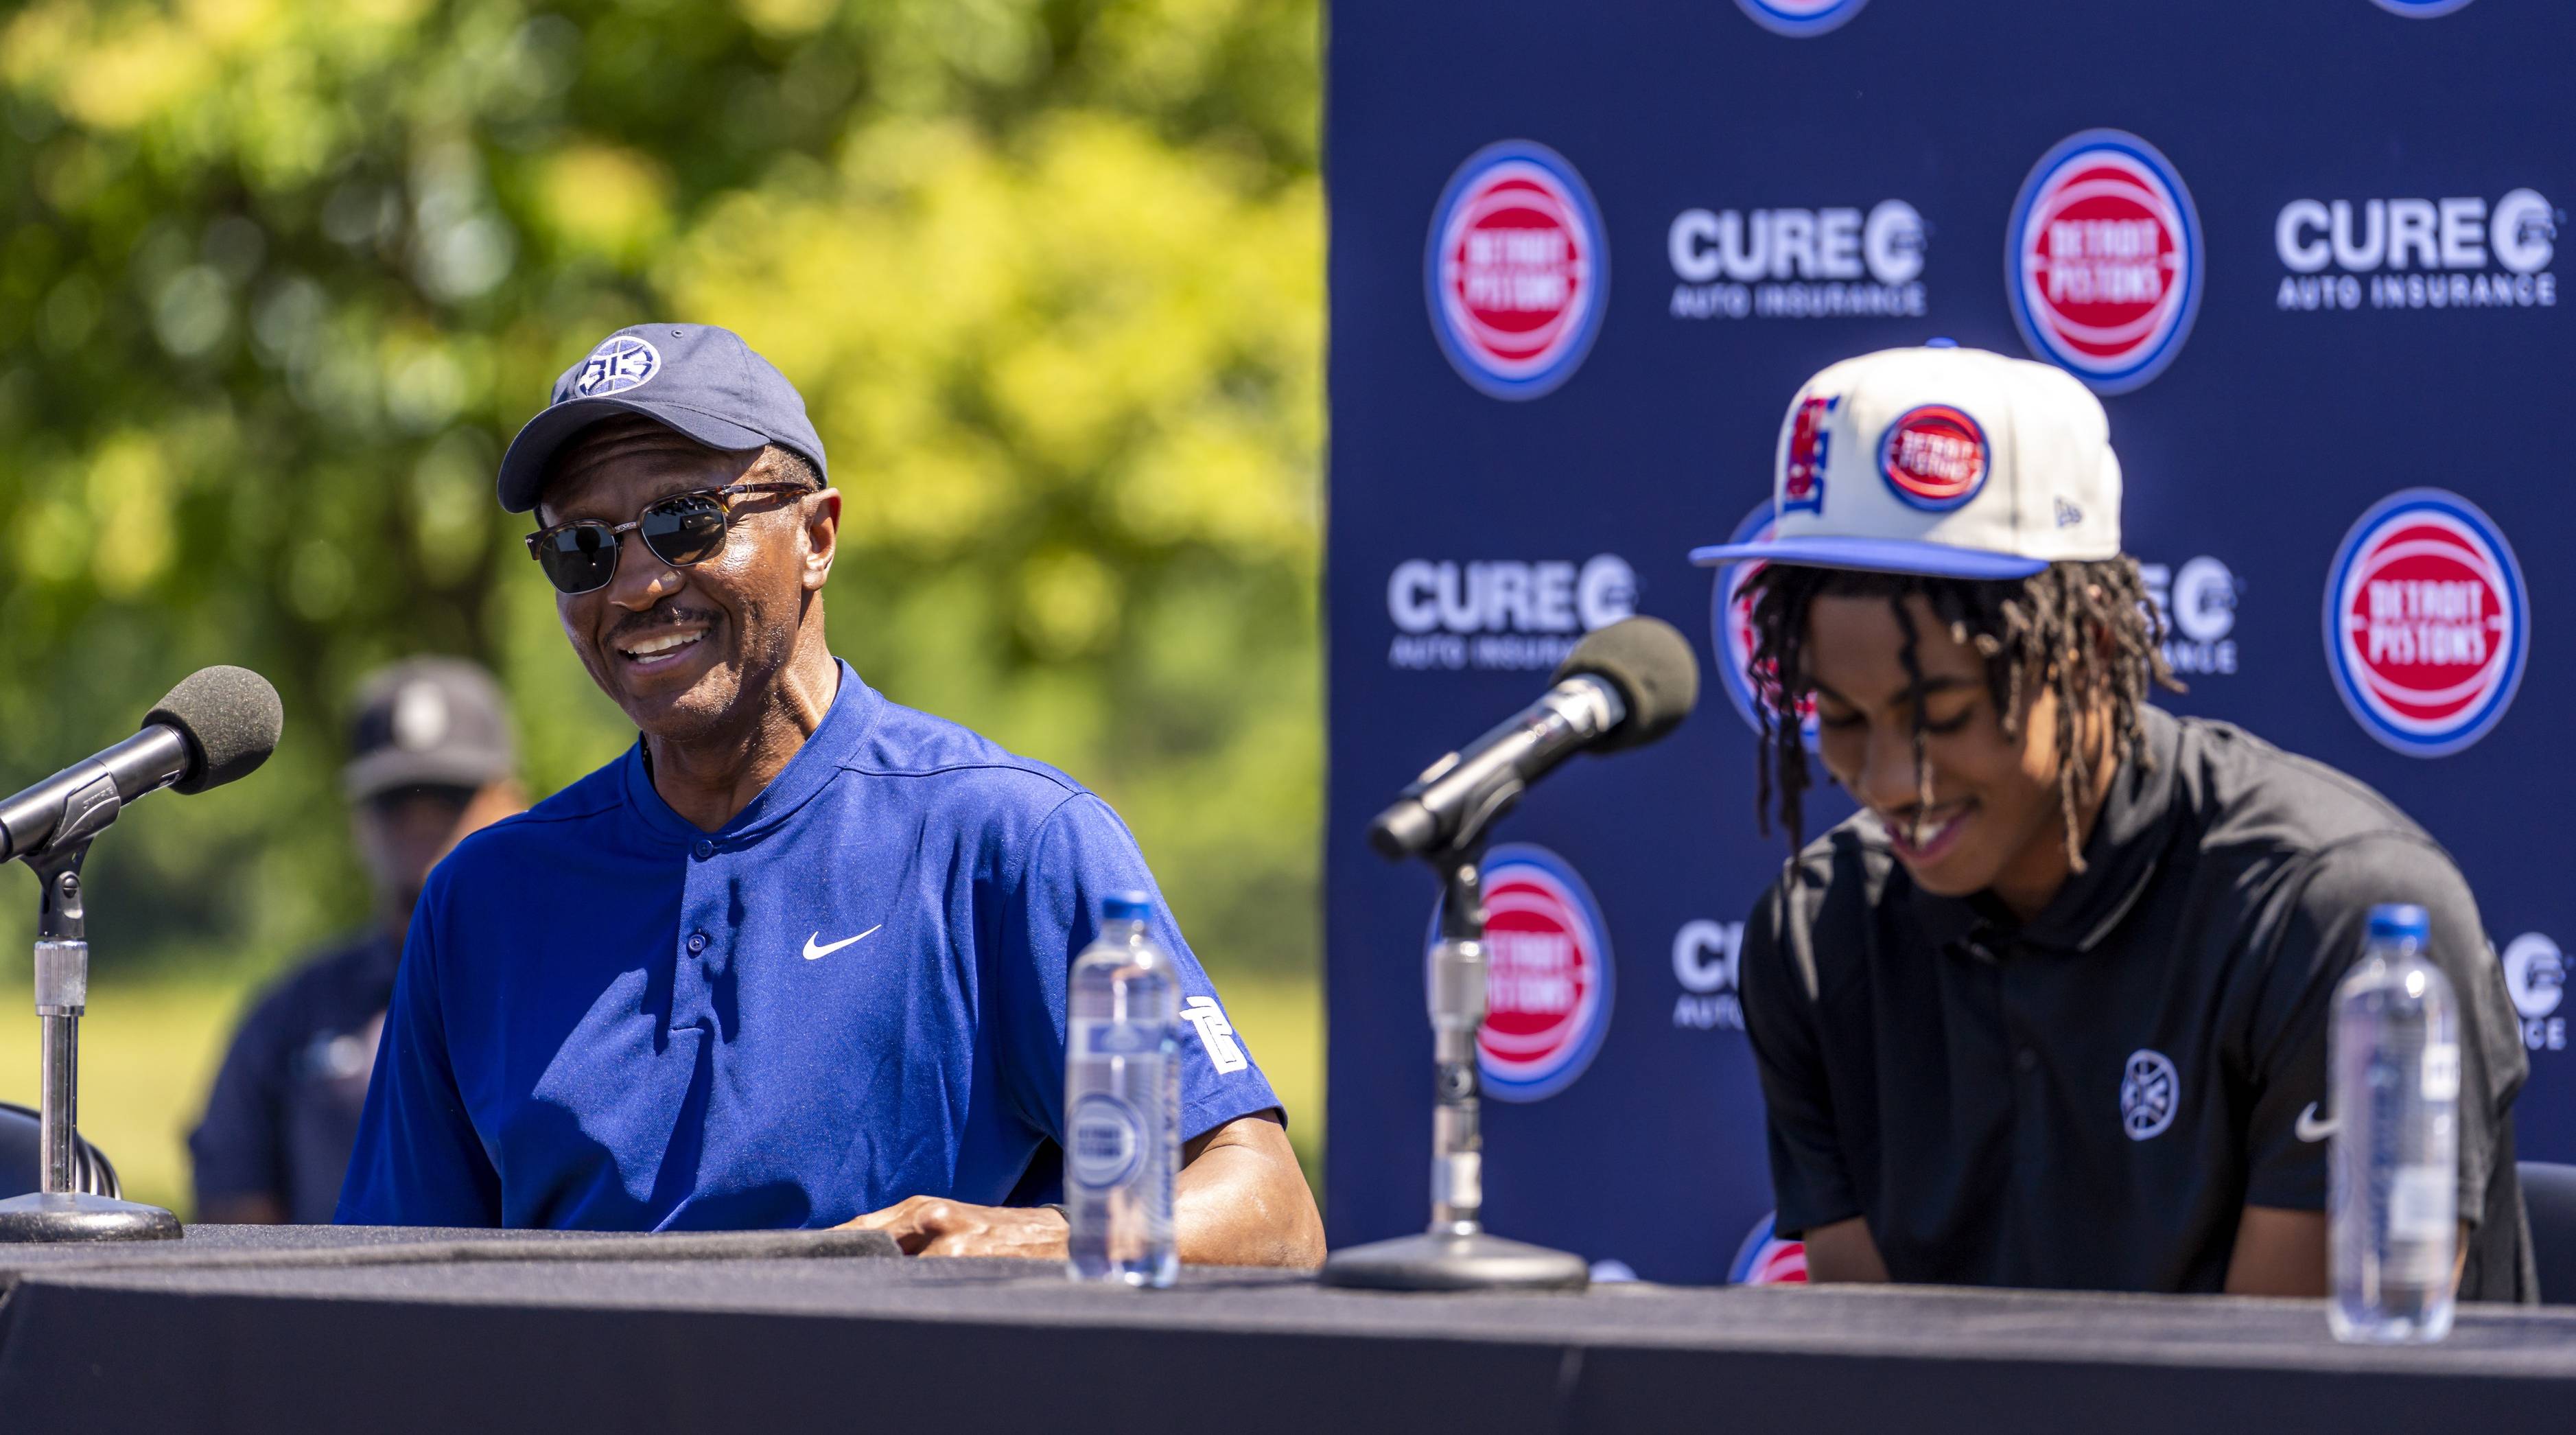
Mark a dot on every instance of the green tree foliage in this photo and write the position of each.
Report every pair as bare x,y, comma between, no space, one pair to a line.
278,279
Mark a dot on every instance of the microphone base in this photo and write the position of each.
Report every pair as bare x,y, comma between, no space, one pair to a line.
1437,1261
77,1217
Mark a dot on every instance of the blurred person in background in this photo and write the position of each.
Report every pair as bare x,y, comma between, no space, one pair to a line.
430,762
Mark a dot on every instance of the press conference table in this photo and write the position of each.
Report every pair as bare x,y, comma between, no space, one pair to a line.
291,1329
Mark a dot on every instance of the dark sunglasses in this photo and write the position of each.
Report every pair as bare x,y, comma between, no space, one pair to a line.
683,529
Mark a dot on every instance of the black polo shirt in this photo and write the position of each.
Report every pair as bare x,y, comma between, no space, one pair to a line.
2091,1099
283,1115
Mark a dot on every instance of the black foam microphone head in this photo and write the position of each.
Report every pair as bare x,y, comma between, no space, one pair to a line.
1651,664
231,718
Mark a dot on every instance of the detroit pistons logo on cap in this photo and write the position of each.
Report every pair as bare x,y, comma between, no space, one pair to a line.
1934,457
1547,974
2103,260
2427,622
624,362
1517,270
1801,17
1731,621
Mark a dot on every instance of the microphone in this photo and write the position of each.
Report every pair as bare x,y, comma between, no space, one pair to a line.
218,724
1622,687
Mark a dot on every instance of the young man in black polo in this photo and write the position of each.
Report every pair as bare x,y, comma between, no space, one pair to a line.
2051,1009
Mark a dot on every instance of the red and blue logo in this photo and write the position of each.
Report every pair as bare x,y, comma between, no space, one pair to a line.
2427,622
1801,18
1730,622
1766,1260
1518,270
1802,468
1548,974
2103,260
1934,457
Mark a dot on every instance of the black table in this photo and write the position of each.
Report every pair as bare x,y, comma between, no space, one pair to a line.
278,1330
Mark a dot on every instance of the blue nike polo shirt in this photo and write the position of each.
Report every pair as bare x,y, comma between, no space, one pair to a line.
608,1019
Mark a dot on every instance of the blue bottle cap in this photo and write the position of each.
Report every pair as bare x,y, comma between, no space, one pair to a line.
1126,907
2398,922
1940,342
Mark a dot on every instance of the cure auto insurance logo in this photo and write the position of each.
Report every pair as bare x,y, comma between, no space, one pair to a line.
2427,622
2103,260
1518,270
1547,974
1801,17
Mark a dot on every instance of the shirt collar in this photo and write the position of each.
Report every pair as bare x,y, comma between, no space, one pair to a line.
2121,858
845,724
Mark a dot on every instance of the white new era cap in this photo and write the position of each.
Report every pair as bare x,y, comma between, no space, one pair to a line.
1950,462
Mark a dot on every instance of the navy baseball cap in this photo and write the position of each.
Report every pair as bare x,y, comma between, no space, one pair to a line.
702,381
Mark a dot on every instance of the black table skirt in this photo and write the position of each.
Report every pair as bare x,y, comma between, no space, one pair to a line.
277,1330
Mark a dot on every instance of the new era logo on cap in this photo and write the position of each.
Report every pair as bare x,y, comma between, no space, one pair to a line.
1942,461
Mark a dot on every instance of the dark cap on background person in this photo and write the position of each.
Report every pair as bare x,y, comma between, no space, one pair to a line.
428,722
695,379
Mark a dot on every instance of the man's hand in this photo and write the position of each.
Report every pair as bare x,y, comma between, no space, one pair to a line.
931,1226
1240,1201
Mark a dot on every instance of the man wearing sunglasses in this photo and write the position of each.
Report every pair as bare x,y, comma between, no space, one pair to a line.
797,958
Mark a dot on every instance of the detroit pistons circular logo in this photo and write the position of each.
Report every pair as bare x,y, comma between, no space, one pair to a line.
1801,18
1934,457
1730,621
1547,974
1766,1260
2103,260
1518,270
2427,622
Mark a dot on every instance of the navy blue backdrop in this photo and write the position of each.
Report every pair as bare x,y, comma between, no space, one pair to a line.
1581,255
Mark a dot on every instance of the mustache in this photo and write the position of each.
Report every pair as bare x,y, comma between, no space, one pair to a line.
660,615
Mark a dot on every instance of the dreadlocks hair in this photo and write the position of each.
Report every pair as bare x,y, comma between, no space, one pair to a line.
2085,629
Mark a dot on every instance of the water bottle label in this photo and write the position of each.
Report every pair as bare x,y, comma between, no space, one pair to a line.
2423,1203
1104,1142
2442,1072
1117,1038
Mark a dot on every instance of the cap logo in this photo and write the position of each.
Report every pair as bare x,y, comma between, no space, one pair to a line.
1935,457
2103,260
420,717
1802,475
2427,622
1517,270
624,362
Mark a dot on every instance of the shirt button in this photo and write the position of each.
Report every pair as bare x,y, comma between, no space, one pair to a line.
705,849
697,943
2026,1059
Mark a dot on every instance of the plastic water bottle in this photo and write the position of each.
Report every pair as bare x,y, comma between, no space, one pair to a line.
2393,1057
1122,1102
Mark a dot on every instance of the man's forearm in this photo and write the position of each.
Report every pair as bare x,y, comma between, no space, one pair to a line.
1241,1201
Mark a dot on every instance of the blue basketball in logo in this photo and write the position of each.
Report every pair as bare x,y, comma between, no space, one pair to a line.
1801,17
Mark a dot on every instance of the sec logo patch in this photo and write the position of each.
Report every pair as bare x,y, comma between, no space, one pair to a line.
2427,622
1518,270
2103,260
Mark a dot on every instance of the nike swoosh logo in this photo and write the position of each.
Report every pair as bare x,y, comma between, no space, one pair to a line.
814,952
2310,1129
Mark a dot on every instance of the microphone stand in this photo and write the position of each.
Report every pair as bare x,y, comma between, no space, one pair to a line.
1457,1253
58,1210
